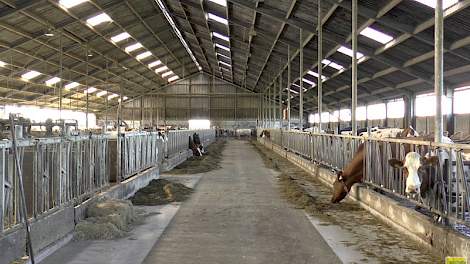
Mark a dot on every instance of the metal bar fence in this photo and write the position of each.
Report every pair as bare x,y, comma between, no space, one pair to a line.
447,190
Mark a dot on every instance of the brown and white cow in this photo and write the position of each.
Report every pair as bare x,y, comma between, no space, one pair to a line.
353,173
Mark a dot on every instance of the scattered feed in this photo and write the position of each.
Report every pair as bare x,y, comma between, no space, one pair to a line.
368,234
106,219
205,163
160,192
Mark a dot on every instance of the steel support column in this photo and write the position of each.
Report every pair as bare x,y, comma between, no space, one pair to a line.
280,101
288,87
320,66
354,69
438,70
301,96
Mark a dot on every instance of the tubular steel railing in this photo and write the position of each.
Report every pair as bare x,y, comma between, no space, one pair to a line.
56,171
178,140
448,185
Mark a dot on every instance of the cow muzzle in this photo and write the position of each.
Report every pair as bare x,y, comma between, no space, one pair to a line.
412,189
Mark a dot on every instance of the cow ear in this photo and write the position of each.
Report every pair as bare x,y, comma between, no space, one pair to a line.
431,161
395,163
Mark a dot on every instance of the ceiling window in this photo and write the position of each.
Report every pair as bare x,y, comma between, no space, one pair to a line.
71,3
216,18
98,19
120,37
155,63
3,64
332,64
222,55
143,55
219,2
52,81
112,96
316,74
432,3
220,36
376,35
217,45
133,47
174,78
224,63
161,69
30,75
71,85
90,90
308,81
166,74
102,93
349,52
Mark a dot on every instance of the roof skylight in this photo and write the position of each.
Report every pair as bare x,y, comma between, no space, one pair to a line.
222,55
220,36
316,74
30,75
176,77
133,47
3,64
52,81
101,93
376,35
90,90
224,63
71,85
155,63
217,18
432,3
143,55
161,69
219,2
308,81
332,64
98,19
222,47
349,52
70,3
120,37
112,96
166,74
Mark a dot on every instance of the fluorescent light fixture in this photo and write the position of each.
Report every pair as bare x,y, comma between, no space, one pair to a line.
222,55
71,3
332,64
155,63
30,75
308,81
376,35
220,36
143,55
112,96
222,47
52,81
3,64
161,69
168,73
224,63
71,85
316,74
432,3
219,2
101,93
120,37
98,19
217,18
173,78
349,52
133,47
90,90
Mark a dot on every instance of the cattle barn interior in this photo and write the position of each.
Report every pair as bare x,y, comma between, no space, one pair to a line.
234,131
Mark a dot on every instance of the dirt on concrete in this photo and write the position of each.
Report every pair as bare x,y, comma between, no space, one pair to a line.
161,191
205,163
106,219
369,235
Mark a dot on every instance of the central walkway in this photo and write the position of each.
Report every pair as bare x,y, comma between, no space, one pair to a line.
236,215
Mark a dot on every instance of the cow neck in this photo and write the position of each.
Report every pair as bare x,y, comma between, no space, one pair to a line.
351,180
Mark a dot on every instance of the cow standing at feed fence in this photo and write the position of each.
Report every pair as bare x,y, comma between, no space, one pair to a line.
353,172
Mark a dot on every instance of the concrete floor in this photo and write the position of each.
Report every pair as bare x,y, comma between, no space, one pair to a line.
236,215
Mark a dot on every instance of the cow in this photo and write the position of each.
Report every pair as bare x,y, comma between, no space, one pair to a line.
353,173
265,134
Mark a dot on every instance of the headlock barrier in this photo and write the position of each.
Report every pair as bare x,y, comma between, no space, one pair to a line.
68,170
447,194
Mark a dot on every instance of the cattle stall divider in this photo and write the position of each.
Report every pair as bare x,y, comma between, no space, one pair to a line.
449,196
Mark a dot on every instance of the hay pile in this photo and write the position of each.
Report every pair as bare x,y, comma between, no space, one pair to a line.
106,219
160,192
208,162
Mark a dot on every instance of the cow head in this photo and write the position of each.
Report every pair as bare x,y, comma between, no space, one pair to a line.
340,189
413,168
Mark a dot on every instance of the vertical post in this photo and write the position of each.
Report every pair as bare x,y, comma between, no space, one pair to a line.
270,108
274,104
320,66
301,97
451,116
354,69
438,70
280,101
141,113
386,115
288,87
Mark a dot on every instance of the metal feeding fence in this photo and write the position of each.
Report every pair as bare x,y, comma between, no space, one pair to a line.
447,183
56,171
